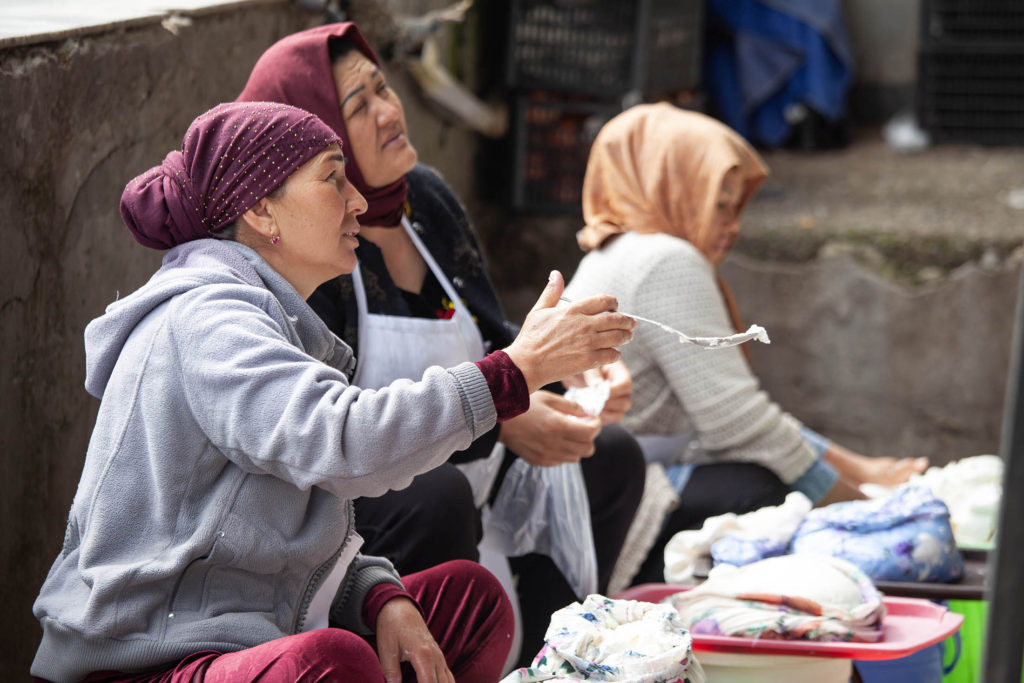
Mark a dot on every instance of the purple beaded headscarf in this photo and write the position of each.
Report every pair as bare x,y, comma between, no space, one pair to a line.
232,156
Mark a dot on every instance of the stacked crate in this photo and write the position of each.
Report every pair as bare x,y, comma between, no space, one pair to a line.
573,64
971,71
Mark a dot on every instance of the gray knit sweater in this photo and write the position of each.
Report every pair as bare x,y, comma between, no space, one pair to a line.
215,496
681,388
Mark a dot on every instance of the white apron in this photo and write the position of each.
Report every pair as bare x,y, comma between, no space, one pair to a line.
400,347
395,347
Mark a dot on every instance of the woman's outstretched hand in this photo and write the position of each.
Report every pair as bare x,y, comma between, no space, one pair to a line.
559,341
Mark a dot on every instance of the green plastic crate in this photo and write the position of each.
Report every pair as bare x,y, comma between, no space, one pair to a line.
972,642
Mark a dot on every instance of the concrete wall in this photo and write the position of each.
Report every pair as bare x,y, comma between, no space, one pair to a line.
881,368
82,117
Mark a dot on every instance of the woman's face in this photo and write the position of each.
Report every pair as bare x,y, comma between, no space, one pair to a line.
315,217
375,120
725,224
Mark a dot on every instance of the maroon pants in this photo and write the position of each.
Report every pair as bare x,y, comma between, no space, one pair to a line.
463,604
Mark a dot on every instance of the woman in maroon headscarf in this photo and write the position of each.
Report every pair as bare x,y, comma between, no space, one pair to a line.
421,296
211,537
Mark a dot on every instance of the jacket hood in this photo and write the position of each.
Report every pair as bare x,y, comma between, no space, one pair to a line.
185,267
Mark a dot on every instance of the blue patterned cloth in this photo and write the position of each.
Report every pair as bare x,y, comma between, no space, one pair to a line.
737,550
904,537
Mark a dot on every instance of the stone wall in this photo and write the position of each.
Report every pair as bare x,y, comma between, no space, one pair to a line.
881,366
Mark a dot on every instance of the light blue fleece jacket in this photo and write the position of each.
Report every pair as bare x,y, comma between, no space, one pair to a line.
215,496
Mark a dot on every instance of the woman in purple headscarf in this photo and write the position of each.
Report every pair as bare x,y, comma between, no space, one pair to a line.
422,296
211,537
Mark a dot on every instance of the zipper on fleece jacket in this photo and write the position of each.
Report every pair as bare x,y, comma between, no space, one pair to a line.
317,578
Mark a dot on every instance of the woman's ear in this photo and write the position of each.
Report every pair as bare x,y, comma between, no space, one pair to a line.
260,220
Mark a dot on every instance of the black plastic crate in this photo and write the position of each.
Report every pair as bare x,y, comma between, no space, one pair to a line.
605,48
552,139
674,55
973,21
972,93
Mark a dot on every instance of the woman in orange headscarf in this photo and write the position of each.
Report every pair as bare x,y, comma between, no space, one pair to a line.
662,199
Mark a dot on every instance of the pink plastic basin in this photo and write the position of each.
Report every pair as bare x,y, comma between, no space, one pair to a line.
910,625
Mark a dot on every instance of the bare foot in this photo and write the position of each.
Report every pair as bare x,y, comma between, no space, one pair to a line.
886,471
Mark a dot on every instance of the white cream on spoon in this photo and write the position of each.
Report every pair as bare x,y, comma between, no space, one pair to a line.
754,332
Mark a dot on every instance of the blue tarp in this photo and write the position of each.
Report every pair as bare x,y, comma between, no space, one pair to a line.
764,56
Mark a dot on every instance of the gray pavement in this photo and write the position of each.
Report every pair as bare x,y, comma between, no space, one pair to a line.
936,208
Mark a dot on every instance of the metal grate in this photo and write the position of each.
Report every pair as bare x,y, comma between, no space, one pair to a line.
675,42
553,139
973,93
973,20
605,48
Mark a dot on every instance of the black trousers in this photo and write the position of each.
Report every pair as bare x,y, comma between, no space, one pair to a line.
434,520
431,521
713,489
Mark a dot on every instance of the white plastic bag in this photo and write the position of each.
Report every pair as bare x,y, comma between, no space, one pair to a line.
545,510
481,473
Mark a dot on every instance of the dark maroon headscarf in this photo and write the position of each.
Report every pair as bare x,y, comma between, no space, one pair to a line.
232,156
296,70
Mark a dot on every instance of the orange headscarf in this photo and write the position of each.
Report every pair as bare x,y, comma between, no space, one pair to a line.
658,168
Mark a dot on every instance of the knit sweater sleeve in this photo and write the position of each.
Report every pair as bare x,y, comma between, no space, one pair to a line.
734,418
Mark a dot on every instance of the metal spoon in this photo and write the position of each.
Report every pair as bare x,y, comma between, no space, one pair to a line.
754,332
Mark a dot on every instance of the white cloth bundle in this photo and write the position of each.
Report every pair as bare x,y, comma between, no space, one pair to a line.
800,597
777,522
614,640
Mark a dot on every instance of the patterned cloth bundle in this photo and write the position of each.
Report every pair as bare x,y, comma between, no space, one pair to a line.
903,537
793,597
614,640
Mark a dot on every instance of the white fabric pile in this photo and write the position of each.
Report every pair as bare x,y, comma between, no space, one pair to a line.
799,597
778,523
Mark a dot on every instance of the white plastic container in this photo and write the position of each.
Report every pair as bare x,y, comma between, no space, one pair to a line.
727,667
